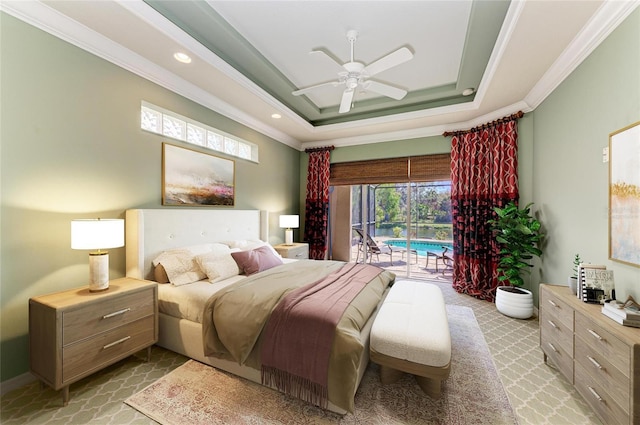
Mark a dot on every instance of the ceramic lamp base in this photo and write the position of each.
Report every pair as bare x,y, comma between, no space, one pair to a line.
288,237
98,271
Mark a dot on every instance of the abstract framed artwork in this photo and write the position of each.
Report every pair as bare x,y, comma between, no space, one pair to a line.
193,178
624,195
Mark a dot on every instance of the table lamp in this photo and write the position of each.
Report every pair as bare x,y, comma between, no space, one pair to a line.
289,222
97,235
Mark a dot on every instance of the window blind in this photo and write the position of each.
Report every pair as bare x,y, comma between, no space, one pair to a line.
435,167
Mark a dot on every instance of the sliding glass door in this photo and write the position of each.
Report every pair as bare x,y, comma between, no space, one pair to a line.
406,221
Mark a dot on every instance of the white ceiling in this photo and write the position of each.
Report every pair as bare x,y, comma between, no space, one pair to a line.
538,44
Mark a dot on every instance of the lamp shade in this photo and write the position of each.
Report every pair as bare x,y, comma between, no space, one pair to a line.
289,221
97,233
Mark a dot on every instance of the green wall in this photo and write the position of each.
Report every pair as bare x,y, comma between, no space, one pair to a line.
570,181
72,148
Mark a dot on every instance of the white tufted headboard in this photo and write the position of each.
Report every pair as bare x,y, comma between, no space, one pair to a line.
151,231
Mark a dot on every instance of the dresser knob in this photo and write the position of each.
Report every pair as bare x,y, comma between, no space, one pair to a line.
116,313
595,334
595,362
595,394
120,341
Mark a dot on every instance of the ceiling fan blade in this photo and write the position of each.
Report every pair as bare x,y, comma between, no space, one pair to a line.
328,55
385,90
345,103
392,59
308,89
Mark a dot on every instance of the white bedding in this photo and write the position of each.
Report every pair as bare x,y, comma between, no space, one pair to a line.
187,301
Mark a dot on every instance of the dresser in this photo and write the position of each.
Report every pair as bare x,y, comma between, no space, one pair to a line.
298,251
75,333
600,357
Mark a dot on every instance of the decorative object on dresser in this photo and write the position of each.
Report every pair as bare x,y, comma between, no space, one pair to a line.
627,313
518,235
289,222
573,279
97,234
598,356
299,251
75,333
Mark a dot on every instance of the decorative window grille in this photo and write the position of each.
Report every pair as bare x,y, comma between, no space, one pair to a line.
169,124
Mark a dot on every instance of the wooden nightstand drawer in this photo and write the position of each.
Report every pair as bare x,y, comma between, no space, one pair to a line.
92,354
90,320
299,251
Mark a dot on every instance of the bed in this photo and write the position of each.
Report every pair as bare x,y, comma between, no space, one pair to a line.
185,310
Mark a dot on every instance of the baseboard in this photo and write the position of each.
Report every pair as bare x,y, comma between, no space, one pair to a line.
16,382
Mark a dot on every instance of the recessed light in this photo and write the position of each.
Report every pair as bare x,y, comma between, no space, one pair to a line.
276,116
182,57
468,92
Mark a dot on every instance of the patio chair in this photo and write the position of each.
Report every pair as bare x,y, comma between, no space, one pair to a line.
447,261
373,248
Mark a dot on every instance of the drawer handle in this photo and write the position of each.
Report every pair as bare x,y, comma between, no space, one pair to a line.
552,347
116,313
552,324
594,333
552,303
120,341
595,394
595,363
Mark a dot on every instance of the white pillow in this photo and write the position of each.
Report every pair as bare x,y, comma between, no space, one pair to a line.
249,244
181,266
218,267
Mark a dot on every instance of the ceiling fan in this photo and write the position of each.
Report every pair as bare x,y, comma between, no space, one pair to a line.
356,74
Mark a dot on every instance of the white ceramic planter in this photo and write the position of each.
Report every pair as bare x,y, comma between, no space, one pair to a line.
516,305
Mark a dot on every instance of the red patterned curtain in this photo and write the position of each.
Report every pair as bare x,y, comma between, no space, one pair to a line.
317,203
484,175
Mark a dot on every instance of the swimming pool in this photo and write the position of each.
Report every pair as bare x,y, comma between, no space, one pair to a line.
422,246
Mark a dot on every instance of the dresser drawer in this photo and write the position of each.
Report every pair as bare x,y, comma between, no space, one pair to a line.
92,354
558,357
613,382
602,342
594,393
91,319
554,309
556,332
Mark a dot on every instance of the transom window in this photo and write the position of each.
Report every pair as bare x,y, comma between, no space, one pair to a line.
169,124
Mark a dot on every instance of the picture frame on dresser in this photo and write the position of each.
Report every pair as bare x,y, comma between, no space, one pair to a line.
624,195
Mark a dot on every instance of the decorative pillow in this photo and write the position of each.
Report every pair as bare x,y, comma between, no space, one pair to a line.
256,260
218,266
180,266
160,274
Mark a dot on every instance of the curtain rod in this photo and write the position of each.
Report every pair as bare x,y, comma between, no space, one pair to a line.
320,149
512,117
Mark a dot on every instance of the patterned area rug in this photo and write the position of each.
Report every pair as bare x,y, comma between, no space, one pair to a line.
473,394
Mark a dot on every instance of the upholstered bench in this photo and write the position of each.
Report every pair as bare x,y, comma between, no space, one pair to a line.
411,334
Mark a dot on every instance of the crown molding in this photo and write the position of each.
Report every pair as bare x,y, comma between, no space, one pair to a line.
601,24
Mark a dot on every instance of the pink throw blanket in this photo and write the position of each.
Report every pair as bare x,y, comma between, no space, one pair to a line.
299,334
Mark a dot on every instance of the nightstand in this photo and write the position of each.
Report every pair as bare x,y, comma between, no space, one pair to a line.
299,251
75,333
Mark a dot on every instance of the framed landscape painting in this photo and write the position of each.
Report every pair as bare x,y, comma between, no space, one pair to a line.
624,195
193,178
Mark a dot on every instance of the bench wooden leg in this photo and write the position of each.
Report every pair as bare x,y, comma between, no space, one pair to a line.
431,387
389,375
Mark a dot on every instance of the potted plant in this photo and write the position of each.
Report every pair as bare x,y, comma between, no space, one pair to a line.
518,234
573,279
